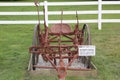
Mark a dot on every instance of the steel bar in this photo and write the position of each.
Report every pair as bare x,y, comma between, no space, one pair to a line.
50,67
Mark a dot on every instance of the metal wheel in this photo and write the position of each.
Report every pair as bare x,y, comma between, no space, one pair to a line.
86,41
86,35
35,43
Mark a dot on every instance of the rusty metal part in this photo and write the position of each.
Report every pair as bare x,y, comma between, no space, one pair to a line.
56,28
53,47
57,43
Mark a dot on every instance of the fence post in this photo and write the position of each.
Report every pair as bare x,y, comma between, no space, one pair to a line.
46,12
99,14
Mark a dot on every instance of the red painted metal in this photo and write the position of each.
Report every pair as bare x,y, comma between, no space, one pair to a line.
58,42
50,67
59,50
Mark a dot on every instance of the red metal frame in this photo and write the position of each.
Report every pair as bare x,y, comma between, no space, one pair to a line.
52,47
58,42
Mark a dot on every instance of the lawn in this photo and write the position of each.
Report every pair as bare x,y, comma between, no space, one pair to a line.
16,39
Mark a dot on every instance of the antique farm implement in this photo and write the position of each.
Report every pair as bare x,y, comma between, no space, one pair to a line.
57,47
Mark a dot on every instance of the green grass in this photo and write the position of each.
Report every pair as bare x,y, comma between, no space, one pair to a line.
16,39
14,51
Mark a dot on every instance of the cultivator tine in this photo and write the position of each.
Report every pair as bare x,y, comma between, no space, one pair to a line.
77,17
37,6
36,2
61,20
61,16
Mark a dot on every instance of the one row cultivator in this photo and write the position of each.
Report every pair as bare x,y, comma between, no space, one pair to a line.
57,48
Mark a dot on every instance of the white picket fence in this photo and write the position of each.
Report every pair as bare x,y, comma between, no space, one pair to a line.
46,4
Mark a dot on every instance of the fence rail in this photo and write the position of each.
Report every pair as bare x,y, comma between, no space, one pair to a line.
58,3
47,4
59,12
